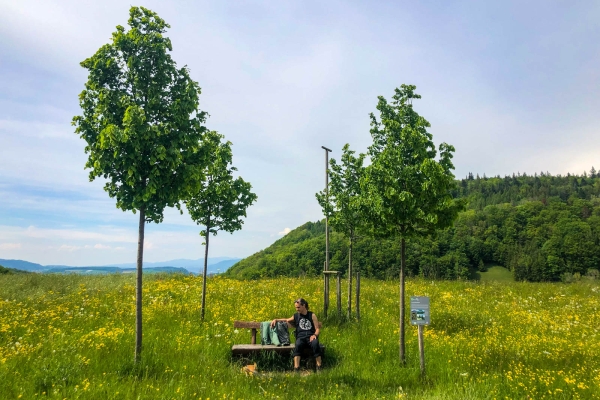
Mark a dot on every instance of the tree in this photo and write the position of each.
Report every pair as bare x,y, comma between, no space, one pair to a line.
142,126
343,207
221,201
406,189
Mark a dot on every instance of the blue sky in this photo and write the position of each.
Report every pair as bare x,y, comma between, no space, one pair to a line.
512,85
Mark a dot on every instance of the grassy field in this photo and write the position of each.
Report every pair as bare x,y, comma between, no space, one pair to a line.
73,337
496,274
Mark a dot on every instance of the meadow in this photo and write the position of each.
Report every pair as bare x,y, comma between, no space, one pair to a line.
70,336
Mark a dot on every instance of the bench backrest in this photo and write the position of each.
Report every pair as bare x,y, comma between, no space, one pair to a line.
256,325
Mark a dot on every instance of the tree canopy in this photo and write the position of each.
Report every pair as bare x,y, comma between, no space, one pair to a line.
407,189
141,119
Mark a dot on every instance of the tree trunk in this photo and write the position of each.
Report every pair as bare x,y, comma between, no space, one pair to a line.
204,273
138,288
350,279
402,303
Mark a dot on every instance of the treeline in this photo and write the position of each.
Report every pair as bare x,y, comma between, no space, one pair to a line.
541,227
482,192
10,271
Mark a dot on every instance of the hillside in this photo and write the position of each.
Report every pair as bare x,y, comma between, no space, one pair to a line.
541,227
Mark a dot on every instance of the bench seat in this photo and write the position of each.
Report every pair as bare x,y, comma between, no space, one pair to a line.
242,349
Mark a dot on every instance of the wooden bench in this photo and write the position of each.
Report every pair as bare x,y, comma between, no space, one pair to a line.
243,349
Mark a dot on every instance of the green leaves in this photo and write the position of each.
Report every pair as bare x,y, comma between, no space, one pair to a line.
344,206
220,201
140,119
406,190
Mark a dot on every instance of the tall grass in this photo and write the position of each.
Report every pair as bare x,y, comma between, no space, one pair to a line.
496,273
69,336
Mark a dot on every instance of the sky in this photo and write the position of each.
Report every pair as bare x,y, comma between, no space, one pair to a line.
512,85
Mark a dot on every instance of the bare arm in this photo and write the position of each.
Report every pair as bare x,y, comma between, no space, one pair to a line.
288,320
317,330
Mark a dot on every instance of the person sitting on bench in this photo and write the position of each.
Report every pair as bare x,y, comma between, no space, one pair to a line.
307,332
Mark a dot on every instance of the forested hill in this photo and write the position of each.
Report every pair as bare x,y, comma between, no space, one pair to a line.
543,187
541,227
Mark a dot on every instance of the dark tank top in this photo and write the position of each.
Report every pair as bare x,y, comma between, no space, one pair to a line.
304,325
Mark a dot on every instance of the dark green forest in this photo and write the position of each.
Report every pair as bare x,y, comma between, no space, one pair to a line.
7,271
541,227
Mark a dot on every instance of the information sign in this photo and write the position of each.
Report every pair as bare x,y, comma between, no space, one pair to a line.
419,310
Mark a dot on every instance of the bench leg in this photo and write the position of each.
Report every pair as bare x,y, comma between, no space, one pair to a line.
253,341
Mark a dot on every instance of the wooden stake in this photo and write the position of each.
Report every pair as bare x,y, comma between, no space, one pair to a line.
421,350
339,293
326,275
358,295
325,285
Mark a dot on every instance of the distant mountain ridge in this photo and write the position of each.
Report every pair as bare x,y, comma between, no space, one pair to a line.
113,270
215,265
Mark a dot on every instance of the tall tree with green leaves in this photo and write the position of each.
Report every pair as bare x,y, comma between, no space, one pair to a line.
343,205
142,126
221,201
406,188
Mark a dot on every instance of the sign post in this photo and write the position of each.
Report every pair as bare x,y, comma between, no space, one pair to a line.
419,315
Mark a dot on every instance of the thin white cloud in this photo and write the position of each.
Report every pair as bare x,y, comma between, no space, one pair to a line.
69,248
109,235
10,246
101,246
37,129
285,231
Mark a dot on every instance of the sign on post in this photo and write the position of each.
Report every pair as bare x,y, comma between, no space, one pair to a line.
419,316
419,310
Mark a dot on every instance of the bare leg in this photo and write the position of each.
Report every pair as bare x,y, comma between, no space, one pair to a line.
297,361
318,361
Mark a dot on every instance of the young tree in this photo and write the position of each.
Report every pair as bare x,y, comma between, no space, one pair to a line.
343,207
406,189
221,201
142,126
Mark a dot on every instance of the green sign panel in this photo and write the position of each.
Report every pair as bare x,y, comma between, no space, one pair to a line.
419,310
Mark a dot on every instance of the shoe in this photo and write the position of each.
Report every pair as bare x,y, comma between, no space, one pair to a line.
297,370
318,369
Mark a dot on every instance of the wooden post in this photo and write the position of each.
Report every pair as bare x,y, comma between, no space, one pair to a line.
339,293
349,311
339,299
421,350
327,290
326,267
358,295
325,286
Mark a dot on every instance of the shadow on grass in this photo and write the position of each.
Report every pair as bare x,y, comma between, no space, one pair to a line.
52,376
339,321
455,323
270,361
146,368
